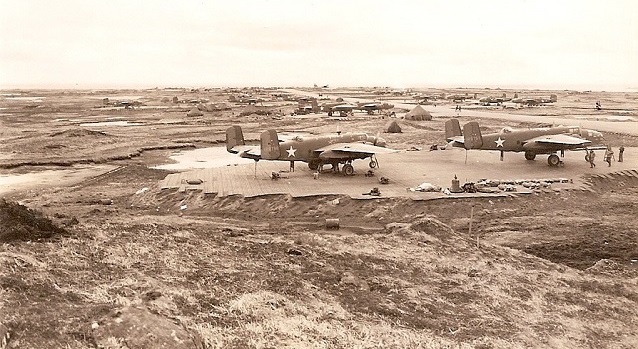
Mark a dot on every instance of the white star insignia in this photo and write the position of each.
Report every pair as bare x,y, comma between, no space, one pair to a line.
291,152
499,142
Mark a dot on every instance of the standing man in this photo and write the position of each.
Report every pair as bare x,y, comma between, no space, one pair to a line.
592,155
620,151
609,155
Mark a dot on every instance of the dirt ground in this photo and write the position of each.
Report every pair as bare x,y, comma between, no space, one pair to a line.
555,270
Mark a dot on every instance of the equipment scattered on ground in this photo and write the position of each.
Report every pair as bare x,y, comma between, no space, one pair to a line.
370,173
456,187
426,187
384,180
374,192
469,187
332,223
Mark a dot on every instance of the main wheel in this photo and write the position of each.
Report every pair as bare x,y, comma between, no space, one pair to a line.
373,164
553,160
587,157
530,155
348,170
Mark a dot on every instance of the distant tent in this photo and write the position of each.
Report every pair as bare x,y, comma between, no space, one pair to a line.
165,100
202,107
392,127
214,107
195,112
249,109
418,113
175,100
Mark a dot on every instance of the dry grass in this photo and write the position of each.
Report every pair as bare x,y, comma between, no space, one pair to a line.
419,286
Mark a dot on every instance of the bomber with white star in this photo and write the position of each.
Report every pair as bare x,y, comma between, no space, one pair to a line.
326,149
531,141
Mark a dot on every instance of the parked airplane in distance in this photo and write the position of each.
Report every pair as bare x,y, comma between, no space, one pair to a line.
535,100
371,107
334,149
546,140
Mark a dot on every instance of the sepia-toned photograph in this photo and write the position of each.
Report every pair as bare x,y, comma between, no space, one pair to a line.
318,174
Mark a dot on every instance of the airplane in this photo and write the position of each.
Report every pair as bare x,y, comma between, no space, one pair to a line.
342,108
371,107
334,149
494,100
535,101
304,108
546,140
459,98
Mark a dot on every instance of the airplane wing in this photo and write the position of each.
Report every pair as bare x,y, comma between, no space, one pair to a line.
354,148
559,139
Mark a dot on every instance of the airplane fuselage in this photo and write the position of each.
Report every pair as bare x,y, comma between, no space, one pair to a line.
304,148
517,140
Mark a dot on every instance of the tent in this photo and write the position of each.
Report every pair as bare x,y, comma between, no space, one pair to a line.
195,112
418,113
392,127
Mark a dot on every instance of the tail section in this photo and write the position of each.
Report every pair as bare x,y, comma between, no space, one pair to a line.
472,135
234,137
270,145
315,106
452,129
553,98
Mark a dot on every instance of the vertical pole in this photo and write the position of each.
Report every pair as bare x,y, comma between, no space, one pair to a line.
470,230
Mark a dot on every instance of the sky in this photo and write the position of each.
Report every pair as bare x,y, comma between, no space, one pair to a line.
557,44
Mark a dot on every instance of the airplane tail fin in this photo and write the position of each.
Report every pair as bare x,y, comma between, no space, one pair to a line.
234,137
270,145
472,135
315,106
452,129
553,98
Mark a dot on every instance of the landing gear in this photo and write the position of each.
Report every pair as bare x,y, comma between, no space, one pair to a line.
314,165
373,164
530,155
348,170
587,156
553,160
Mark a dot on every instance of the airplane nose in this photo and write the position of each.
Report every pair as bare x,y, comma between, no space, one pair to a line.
380,142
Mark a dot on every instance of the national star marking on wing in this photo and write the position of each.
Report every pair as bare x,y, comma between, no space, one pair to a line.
291,152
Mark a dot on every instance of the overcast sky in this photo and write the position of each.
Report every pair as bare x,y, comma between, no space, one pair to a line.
580,44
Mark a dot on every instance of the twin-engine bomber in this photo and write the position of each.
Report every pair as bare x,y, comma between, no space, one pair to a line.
334,149
547,140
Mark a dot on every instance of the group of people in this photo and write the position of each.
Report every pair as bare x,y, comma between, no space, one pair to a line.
609,156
